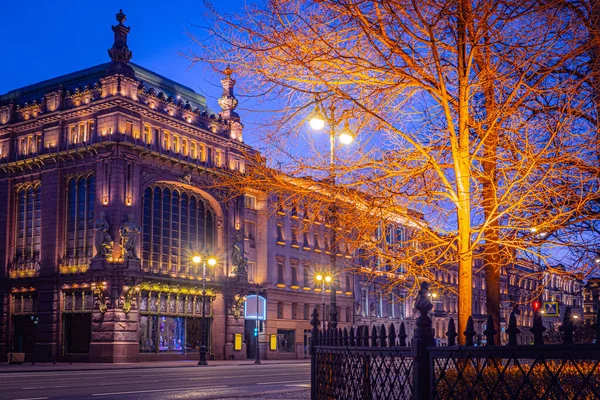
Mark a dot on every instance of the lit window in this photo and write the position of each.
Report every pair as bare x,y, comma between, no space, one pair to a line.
129,127
218,158
184,147
193,150
250,233
250,201
166,140
81,198
147,134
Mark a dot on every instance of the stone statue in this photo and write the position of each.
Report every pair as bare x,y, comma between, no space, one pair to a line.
129,231
103,241
238,255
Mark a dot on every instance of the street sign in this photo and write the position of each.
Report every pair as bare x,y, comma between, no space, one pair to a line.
551,308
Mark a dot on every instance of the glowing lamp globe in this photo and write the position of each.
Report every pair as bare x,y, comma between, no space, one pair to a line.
317,122
196,259
346,138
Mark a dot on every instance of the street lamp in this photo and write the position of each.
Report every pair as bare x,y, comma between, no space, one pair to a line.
323,279
211,262
317,122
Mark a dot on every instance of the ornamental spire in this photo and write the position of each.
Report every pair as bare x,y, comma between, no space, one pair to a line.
120,51
227,101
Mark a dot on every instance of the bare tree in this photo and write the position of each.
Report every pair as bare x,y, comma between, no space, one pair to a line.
467,129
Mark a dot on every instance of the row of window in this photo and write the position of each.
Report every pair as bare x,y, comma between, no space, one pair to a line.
308,275
380,305
304,312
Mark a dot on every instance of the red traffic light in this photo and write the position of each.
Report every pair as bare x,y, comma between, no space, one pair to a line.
536,305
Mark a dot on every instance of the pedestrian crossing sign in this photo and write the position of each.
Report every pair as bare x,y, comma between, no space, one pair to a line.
551,308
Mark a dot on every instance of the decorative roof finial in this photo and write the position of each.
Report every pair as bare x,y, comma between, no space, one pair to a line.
227,101
120,51
121,17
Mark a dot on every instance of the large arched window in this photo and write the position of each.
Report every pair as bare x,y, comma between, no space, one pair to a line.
28,232
81,198
176,224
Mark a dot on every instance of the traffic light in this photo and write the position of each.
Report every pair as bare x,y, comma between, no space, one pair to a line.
255,332
536,305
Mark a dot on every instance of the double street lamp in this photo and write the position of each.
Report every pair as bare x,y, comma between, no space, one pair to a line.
204,339
323,279
317,122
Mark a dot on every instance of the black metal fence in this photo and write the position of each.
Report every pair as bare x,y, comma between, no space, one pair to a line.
359,363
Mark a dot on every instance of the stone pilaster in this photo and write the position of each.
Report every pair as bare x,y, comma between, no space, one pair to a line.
218,327
53,211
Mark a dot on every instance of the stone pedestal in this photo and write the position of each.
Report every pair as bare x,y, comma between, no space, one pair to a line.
115,337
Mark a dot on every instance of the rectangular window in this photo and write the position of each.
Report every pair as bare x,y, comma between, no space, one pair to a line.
156,136
392,308
348,284
306,276
365,302
250,201
193,150
73,134
202,153
379,304
250,233
176,144
286,340
294,273
82,132
147,134
307,311
184,147
280,267
129,127
218,158
251,271
166,140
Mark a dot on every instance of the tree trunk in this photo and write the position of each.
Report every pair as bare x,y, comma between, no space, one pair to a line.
462,169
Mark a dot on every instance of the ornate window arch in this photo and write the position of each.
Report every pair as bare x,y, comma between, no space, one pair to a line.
177,223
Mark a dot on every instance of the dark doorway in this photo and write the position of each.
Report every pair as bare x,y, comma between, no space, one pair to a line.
24,332
78,333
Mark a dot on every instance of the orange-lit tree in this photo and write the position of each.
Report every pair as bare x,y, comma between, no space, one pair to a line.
467,126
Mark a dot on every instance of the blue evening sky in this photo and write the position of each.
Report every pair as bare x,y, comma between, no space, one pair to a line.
43,39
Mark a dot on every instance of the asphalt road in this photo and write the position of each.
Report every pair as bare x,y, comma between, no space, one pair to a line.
245,381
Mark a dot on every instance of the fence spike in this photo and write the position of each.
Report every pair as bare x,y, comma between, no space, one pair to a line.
402,335
340,341
345,337
352,341
470,332
512,329
597,326
451,334
392,336
567,327
489,332
382,336
373,336
365,336
538,329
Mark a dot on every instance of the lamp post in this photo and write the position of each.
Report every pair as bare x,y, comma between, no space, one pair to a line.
323,279
317,122
211,262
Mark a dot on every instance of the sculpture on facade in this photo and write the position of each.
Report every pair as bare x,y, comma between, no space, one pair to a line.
129,231
103,241
239,261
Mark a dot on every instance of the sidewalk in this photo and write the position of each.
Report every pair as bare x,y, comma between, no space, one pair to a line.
49,367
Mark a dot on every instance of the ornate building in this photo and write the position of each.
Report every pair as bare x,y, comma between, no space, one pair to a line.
109,179
591,299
